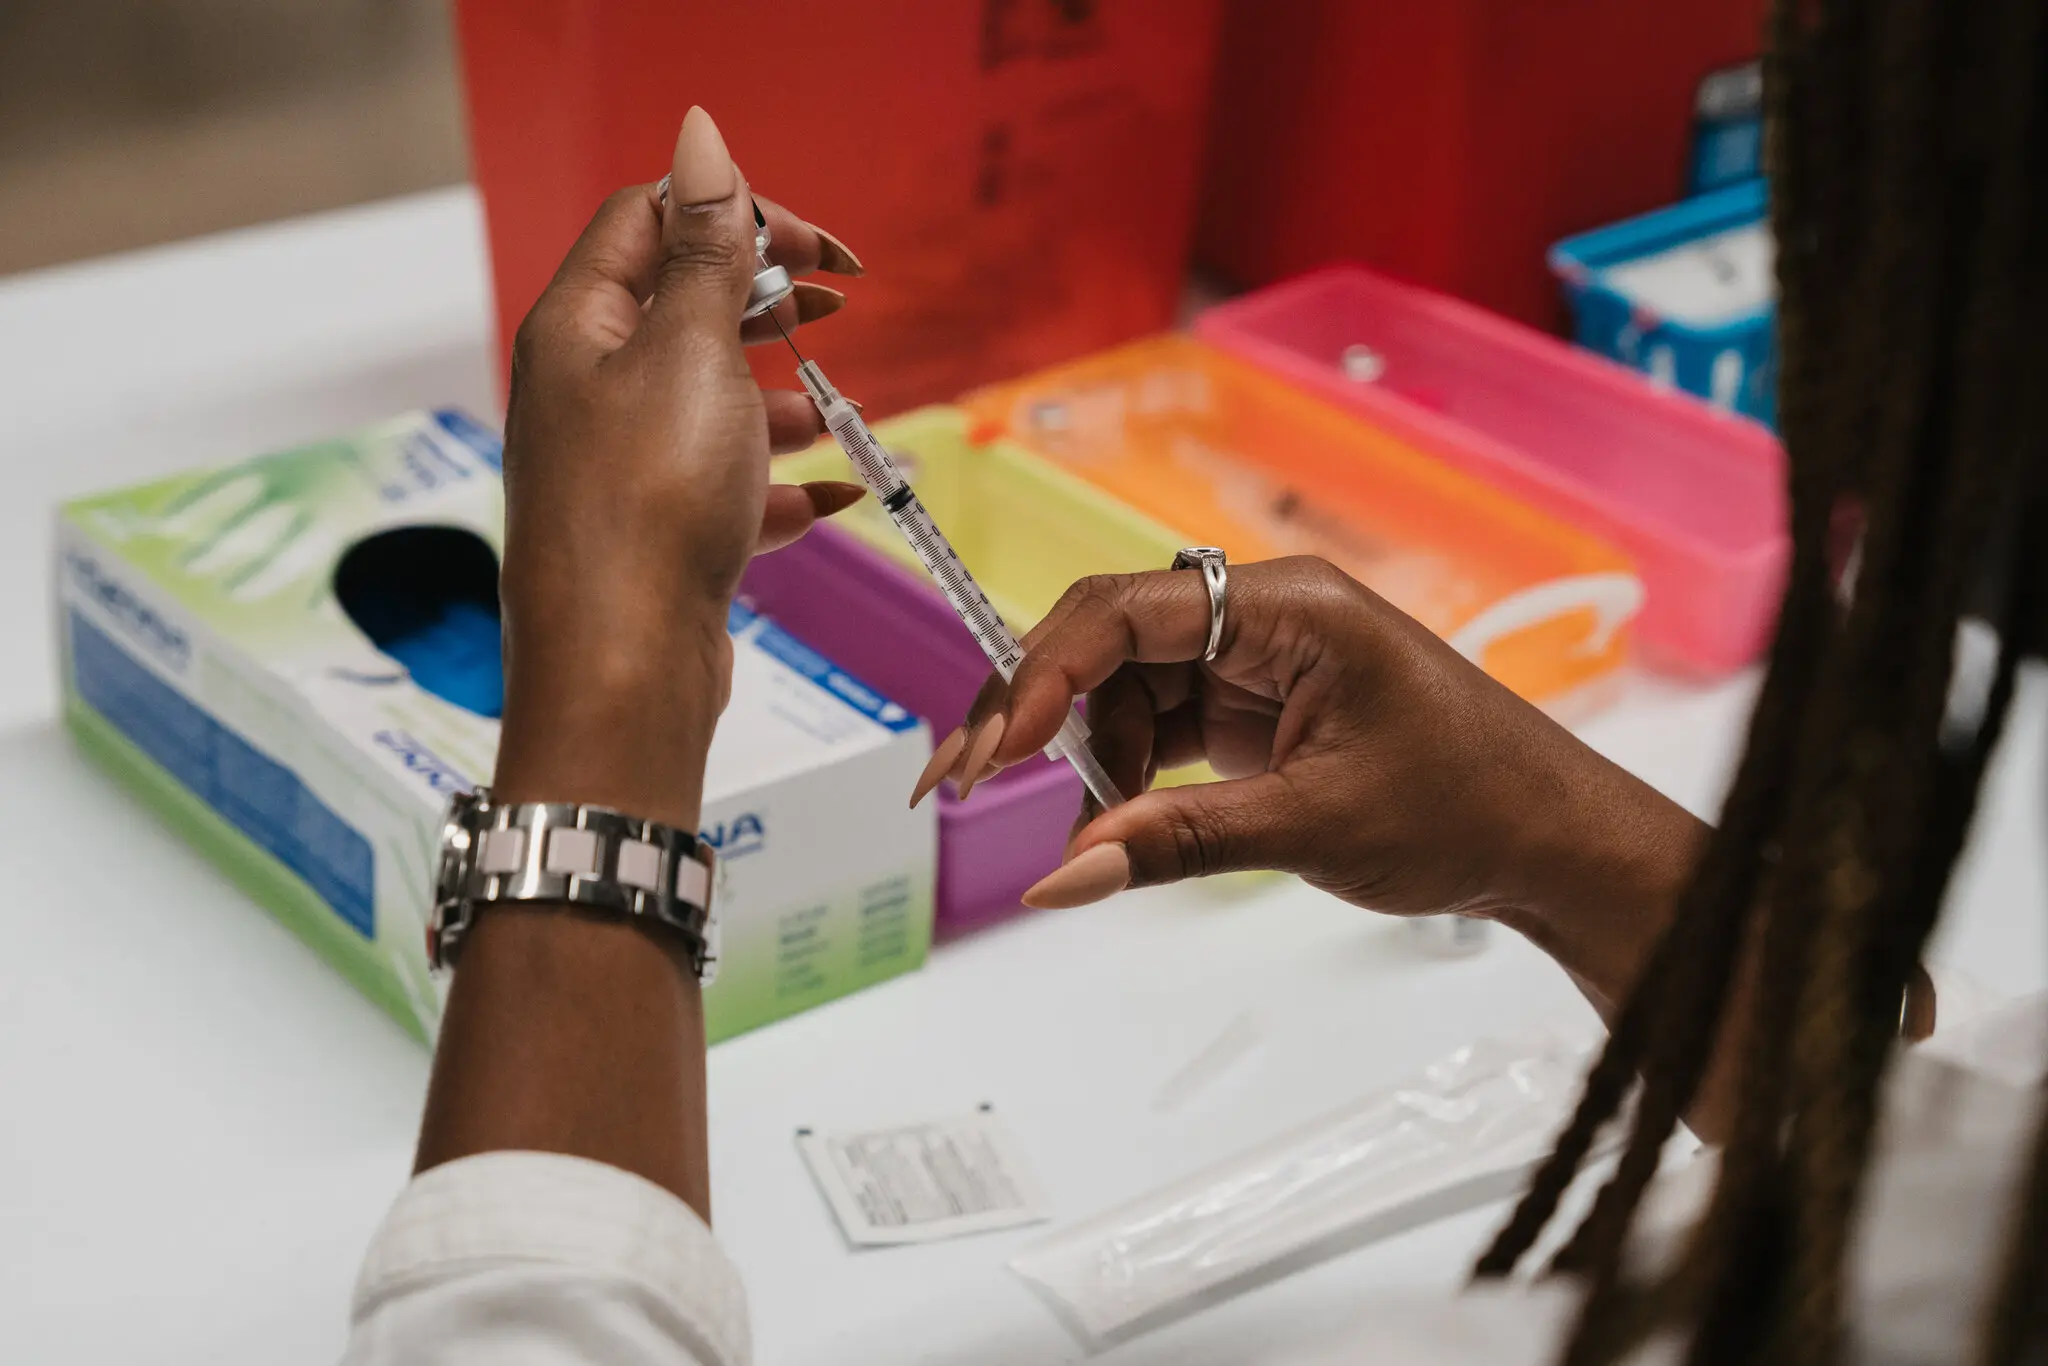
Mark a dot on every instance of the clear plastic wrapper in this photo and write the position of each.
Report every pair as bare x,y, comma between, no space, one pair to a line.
1465,1131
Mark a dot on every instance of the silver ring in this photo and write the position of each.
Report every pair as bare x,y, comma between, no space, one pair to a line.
1215,577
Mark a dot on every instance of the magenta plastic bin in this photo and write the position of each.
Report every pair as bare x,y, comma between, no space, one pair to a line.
891,629
1694,495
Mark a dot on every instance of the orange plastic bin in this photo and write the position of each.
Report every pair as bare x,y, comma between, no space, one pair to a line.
1230,456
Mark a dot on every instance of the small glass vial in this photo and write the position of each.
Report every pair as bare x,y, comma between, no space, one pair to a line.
1451,936
771,283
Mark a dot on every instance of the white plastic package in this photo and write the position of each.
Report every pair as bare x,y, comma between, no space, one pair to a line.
1466,1131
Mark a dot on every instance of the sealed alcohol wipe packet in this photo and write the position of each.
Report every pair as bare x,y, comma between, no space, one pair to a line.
918,1183
1465,1131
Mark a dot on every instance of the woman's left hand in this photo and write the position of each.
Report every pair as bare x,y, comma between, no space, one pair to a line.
636,484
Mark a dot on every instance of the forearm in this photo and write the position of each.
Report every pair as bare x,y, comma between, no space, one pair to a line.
567,1031
1621,862
570,1035
1613,869
1618,878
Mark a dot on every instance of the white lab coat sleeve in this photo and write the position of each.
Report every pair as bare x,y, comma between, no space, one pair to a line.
537,1259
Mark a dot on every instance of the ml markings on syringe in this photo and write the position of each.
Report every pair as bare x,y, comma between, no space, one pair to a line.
879,472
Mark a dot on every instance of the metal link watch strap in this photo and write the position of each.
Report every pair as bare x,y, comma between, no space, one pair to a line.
524,852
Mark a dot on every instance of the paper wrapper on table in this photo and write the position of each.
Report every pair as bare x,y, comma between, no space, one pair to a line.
208,662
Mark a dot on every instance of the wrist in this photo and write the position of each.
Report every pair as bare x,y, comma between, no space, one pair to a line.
1612,870
613,718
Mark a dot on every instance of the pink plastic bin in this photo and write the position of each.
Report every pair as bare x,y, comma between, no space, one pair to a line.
1695,496
888,627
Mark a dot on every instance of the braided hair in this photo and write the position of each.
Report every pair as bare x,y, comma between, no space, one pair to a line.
1908,146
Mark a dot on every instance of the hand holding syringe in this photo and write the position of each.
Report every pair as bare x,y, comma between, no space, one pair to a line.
879,472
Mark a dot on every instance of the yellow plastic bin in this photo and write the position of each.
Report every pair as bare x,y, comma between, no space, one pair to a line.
1237,458
1024,527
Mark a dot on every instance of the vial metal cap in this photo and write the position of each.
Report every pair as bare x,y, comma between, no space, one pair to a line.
770,287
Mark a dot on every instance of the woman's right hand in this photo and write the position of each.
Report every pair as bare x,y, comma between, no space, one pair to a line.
1354,748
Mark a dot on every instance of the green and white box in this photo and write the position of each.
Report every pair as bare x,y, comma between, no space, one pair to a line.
208,662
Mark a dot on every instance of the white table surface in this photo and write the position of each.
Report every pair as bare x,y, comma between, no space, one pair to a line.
200,1124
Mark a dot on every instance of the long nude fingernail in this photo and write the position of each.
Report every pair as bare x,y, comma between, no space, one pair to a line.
703,171
985,743
832,495
1093,875
939,765
817,301
835,256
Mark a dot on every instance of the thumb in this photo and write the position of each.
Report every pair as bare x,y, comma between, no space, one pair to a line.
1179,832
707,239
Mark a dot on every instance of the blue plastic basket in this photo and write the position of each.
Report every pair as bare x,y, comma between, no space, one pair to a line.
1727,129
1725,350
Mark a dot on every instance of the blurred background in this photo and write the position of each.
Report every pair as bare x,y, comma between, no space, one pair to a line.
1070,211
1472,298
1048,195
129,122
1110,148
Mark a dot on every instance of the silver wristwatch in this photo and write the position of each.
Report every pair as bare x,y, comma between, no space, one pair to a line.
495,854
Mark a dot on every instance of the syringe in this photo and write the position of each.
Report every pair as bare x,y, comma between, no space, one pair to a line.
879,472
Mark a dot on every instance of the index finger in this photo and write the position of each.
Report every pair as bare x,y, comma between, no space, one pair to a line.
801,247
1100,624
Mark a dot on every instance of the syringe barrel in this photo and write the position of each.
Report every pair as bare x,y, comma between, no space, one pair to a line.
879,472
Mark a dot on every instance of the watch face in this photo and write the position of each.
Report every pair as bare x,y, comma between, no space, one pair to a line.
458,841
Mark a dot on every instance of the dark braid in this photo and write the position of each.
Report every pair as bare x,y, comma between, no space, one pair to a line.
1710,916
1911,796
1920,813
1750,1188
1893,815
1886,704
1909,153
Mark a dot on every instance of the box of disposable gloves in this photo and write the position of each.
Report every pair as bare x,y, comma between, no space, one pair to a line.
295,661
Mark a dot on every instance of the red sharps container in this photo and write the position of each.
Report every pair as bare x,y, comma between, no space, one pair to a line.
1018,176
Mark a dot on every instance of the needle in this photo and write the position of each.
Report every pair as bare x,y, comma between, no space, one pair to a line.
785,337
800,355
